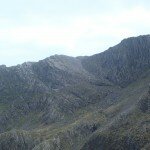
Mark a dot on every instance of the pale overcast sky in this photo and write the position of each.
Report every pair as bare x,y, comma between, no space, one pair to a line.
31,30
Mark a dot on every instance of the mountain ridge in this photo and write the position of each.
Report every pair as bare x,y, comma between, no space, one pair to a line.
82,99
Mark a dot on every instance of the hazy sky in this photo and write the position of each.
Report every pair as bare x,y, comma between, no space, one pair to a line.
31,30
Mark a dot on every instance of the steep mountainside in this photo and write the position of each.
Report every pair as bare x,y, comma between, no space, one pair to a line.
123,63
98,102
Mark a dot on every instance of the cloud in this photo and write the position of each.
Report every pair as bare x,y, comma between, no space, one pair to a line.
80,35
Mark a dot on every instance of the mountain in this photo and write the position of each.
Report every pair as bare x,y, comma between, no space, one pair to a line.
123,63
99,102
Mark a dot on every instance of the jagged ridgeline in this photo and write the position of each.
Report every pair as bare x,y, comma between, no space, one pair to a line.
99,102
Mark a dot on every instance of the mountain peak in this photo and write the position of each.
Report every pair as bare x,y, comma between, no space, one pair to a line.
123,63
140,37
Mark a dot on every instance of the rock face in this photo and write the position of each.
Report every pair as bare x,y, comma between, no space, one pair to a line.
82,103
123,63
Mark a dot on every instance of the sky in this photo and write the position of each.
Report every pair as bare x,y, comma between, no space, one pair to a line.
31,30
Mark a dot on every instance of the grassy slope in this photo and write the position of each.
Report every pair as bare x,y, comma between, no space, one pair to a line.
127,121
118,120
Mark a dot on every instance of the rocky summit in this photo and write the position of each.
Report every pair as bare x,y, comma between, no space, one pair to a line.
99,102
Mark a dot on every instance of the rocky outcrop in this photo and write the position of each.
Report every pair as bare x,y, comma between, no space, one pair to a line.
144,102
114,142
16,140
